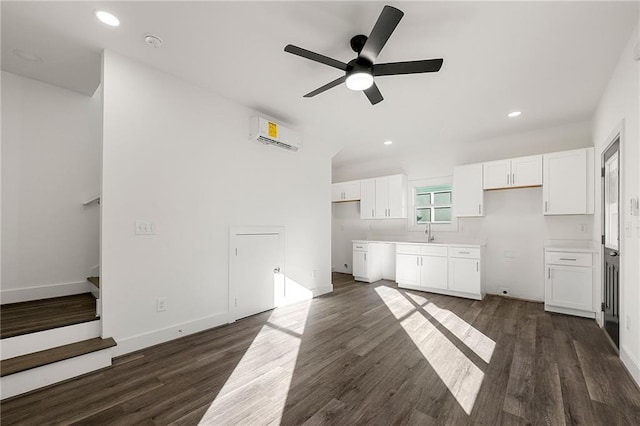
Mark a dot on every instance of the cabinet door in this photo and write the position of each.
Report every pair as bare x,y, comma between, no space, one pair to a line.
526,171
336,192
468,195
351,191
464,275
382,197
497,174
397,196
565,182
367,199
408,269
360,264
569,287
434,272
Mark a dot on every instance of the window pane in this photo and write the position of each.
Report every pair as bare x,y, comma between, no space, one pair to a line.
423,215
442,214
442,198
423,200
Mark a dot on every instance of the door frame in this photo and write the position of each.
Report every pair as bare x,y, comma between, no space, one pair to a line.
234,233
616,133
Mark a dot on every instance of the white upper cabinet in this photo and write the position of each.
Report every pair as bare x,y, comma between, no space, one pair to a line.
513,173
368,199
345,191
568,182
384,198
468,195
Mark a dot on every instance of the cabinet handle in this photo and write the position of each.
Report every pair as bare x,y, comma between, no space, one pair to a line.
507,179
549,273
477,266
546,203
479,209
566,258
421,262
365,257
373,213
464,252
417,260
513,178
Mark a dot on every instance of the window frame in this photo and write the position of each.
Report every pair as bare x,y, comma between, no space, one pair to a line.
413,185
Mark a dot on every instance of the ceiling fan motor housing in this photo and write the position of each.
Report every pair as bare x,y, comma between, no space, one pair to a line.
357,42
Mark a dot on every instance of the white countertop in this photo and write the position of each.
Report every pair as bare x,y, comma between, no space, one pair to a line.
433,243
576,246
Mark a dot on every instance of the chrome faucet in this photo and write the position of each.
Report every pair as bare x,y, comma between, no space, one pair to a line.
427,232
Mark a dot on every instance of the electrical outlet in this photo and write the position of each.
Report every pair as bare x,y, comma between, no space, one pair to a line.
503,291
628,323
161,304
582,227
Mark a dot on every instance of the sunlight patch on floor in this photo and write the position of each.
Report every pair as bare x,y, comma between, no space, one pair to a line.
474,339
257,389
461,376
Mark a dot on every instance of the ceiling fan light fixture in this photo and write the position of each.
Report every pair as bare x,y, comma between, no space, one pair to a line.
360,80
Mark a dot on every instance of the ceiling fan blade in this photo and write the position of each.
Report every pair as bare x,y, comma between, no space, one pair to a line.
386,23
326,87
373,94
409,67
290,48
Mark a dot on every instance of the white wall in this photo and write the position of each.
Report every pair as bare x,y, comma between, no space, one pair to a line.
620,102
179,155
50,166
514,227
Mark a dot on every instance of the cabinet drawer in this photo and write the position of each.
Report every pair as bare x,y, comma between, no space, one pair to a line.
360,247
465,252
408,249
568,258
434,250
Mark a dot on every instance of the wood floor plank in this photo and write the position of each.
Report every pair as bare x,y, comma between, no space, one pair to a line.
365,354
44,314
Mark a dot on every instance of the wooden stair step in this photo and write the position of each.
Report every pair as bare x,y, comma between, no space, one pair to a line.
50,356
95,281
38,315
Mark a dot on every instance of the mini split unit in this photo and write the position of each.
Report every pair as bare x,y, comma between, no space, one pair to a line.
271,133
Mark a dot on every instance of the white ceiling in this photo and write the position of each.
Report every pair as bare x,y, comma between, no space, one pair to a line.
549,59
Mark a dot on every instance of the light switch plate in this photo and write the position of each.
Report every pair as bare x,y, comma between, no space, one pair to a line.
145,227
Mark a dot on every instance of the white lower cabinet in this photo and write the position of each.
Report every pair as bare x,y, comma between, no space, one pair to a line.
569,283
366,262
440,268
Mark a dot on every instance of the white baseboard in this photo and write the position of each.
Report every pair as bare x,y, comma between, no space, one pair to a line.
144,340
47,339
319,291
28,380
631,363
44,292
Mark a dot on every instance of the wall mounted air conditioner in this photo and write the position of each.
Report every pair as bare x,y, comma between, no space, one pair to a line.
271,133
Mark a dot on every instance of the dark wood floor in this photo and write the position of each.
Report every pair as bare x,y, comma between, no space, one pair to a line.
366,354
38,315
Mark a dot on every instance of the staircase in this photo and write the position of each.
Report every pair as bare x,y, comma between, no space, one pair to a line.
46,341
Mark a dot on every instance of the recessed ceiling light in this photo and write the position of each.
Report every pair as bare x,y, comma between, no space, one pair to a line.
514,114
388,142
107,18
27,56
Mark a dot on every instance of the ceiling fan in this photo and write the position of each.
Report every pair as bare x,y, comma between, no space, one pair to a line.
360,72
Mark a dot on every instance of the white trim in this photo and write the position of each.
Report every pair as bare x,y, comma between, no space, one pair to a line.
44,292
144,340
569,311
631,364
33,342
473,296
35,378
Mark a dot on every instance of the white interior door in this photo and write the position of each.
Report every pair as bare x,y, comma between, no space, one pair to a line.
255,275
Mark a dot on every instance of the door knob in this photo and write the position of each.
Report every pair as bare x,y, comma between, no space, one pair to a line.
276,270
613,253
